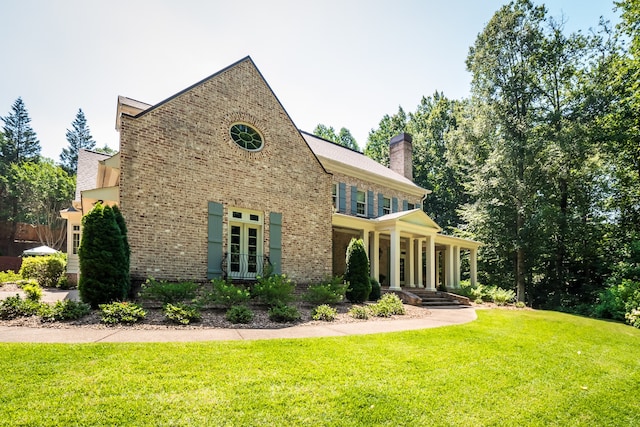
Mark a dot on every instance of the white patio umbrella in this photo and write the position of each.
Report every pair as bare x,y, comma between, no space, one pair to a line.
40,250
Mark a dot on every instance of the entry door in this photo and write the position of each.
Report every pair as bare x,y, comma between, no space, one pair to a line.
244,251
403,256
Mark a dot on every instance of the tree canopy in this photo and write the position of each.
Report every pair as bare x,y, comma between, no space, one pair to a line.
343,138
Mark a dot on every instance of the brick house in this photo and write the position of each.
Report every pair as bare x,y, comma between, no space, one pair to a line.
217,181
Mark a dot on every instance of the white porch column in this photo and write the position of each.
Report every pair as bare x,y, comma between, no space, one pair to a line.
456,266
432,264
394,270
419,255
365,240
374,260
448,267
437,264
473,266
412,263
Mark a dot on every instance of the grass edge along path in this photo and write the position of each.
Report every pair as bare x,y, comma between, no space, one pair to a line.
507,368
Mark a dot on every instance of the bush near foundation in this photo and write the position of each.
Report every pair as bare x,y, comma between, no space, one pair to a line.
330,291
104,269
274,290
167,292
357,274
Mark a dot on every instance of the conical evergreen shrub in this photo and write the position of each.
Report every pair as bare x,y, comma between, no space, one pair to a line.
357,274
104,272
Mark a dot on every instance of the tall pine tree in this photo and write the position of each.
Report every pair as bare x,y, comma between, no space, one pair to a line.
20,142
79,137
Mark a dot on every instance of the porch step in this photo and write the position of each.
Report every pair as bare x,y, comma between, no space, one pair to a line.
437,298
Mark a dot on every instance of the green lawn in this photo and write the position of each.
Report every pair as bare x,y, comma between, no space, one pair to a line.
507,368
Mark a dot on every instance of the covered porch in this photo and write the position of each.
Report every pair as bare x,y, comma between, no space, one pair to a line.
406,250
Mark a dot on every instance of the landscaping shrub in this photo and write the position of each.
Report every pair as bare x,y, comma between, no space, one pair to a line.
283,313
357,274
325,313
227,294
387,306
33,292
520,304
121,312
375,290
104,272
63,310
274,290
182,313
502,296
330,291
633,318
12,307
167,292
239,314
9,276
47,270
359,312
618,300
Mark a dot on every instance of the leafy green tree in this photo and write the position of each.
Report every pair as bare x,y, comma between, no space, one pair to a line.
106,150
503,62
357,274
42,190
343,138
79,137
378,142
103,274
433,169
621,126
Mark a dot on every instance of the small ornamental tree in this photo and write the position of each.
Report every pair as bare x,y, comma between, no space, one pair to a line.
357,274
104,272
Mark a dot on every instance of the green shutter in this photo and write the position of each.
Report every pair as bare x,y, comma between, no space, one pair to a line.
354,200
370,204
275,241
405,205
380,204
394,205
214,241
342,197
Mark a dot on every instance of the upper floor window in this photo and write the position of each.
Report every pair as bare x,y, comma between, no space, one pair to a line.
361,203
246,137
386,206
411,206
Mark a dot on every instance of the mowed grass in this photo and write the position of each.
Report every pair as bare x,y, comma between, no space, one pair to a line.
507,368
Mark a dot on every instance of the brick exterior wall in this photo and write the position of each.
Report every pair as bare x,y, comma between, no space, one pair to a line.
178,156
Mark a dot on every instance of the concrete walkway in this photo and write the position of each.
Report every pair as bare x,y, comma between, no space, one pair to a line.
440,316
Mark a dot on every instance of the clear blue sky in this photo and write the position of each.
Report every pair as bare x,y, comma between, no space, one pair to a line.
344,63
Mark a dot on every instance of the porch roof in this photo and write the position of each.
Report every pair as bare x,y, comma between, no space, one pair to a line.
414,222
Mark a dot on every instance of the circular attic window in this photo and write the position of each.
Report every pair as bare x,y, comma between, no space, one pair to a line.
246,137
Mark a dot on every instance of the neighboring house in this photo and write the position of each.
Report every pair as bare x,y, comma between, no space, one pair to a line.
217,181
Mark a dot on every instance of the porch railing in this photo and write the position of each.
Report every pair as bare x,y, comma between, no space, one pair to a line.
236,266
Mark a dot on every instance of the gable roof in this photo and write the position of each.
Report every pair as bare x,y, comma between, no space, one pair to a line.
87,170
415,216
335,157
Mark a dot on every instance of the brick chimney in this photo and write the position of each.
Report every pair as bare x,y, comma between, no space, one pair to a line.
401,155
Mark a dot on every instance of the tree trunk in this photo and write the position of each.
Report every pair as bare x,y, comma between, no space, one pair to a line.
520,273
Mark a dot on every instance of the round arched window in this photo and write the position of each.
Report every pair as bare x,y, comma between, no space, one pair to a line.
246,137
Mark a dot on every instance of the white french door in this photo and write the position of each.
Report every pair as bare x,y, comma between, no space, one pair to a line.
245,246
